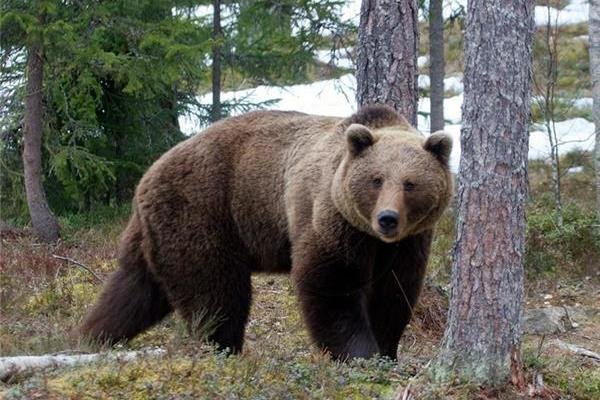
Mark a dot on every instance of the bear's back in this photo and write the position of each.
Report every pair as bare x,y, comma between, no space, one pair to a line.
231,177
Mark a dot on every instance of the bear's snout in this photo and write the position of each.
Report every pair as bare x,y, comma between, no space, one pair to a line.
388,222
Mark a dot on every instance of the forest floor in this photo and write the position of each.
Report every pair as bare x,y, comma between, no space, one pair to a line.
42,298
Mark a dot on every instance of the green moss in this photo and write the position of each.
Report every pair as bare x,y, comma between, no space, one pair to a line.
215,376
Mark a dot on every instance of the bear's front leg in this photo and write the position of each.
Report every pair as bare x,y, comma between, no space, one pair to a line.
334,302
397,280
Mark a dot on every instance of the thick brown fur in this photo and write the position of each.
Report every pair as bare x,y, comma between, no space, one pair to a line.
276,192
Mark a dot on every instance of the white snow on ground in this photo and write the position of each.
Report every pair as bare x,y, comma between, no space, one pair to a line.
576,133
422,61
335,97
423,81
351,11
341,58
575,12
583,102
452,83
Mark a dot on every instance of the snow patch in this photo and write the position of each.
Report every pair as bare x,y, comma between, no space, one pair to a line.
452,83
572,134
575,170
423,81
334,97
340,58
351,11
583,102
574,13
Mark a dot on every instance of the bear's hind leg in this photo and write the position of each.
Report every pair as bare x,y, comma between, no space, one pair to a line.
214,297
231,305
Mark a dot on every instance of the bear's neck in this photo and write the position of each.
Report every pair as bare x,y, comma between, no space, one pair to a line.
344,205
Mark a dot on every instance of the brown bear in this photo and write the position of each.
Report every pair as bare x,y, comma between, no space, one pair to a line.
347,205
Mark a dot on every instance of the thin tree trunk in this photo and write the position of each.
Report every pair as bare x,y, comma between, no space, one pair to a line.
436,62
595,72
216,62
387,55
549,107
43,222
484,322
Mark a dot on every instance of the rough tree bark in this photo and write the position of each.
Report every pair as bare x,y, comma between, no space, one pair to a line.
387,55
43,222
595,72
436,65
484,322
215,113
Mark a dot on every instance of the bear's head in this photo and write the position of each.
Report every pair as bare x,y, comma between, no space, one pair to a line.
391,181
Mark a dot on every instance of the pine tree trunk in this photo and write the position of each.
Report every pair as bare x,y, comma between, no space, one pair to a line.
387,55
43,222
595,72
436,62
484,322
215,114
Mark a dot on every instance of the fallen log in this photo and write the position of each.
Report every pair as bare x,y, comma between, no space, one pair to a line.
13,366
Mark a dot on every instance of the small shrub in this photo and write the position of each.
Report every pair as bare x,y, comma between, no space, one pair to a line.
572,247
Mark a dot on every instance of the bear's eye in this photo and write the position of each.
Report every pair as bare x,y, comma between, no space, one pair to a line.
377,182
409,186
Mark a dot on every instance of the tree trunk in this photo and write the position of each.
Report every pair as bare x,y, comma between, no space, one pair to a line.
43,222
595,72
484,321
436,65
387,55
215,114
548,94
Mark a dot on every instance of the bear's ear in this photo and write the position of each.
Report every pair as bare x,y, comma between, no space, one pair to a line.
359,138
440,145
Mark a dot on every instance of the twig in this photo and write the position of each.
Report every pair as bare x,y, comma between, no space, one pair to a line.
13,366
576,349
88,269
406,394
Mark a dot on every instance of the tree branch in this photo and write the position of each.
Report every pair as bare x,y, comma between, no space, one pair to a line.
88,269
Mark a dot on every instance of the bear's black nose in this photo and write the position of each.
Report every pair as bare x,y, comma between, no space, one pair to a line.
387,220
